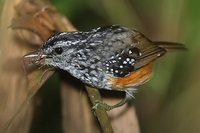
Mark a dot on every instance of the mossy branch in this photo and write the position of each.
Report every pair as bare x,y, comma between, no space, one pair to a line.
100,112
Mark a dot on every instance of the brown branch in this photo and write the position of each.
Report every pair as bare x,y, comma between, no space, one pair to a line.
100,112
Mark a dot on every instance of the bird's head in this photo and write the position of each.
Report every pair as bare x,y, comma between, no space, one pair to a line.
56,50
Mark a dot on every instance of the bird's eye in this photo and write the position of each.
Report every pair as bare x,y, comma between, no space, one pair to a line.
59,50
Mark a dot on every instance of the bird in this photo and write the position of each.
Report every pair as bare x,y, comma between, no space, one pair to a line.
108,58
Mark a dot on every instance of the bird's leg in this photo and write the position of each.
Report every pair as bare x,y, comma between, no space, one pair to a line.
110,107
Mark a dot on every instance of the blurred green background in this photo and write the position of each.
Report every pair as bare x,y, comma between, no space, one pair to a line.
170,102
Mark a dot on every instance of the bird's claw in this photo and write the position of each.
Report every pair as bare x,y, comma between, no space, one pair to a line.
101,104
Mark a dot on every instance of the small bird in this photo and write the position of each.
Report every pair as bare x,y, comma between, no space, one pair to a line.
111,57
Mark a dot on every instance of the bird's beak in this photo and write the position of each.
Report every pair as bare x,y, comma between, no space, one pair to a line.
33,54
34,57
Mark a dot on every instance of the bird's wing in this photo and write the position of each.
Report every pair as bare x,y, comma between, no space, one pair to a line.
140,52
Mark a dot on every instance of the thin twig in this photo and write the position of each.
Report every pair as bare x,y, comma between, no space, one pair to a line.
100,112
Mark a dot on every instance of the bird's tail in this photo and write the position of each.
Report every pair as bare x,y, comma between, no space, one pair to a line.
171,46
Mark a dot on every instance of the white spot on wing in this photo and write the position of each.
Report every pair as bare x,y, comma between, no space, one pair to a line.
124,62
132,60
112,57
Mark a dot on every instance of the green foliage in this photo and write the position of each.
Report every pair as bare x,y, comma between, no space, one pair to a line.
69,7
